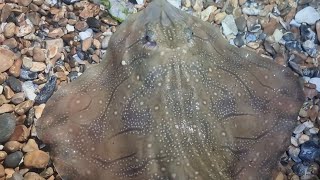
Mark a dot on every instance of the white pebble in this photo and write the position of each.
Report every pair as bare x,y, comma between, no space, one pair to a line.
307,15
316,81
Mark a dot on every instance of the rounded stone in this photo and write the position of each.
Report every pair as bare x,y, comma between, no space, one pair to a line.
13,159
36,159
7,126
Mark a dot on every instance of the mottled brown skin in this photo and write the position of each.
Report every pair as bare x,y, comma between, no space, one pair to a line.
172,100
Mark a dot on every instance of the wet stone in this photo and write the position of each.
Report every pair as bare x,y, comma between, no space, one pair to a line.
13,159
14,84
7,126
47,91
310,152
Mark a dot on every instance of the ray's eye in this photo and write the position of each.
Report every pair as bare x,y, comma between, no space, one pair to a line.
151,39
189,34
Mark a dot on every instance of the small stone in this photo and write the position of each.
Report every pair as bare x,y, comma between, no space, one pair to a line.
16,68
24,2
30,146
47,172
86,44
294,153
18,98
6,108
28,75
12,146
14,84
6,59
13,159
70,28
207,13
277,34
7,126
318,29
86,34
25,29
24,107
219,17
307,15
32,176
8,93
11,43
2,173
47,91
299,169
105,42
3,155
310,48
29,89
27,63
303,138
54,47
81,25
39,54
197,5
9,30
38,67
294,141
38,110
229,26
36,159
314,130
93,22
280,176
316,81
251,11
309,124
241,23
21,133
309,92
299,129
310,152
56,33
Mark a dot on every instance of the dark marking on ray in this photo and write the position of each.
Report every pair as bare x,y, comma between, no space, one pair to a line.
189,107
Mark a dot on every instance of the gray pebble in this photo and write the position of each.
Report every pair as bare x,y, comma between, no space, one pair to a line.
14,84
13,159
7,125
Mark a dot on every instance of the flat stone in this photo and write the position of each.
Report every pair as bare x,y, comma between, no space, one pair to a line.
56,33
38,67
54,47
24,2
18,98
2,173
14,84
9,30
6,59
11,43
39,110
205,14
27,63
16,68
3,155
7,126
23,107
25,29
36,159
6,108
229,26
315,81
29,90
39,55
86,44
307,15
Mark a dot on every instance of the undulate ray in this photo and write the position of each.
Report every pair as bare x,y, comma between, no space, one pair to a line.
172,100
